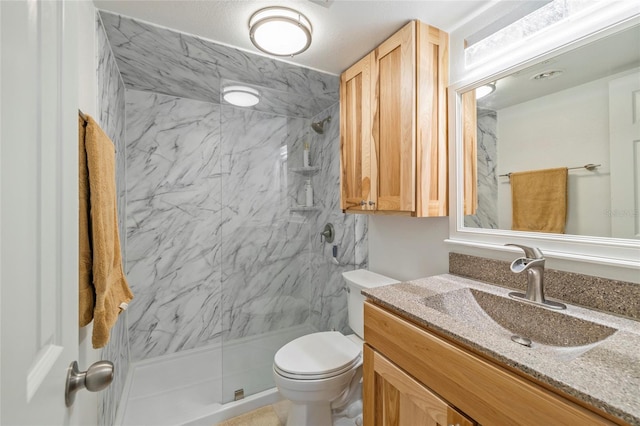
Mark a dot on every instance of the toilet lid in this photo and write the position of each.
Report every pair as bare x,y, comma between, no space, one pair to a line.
317,354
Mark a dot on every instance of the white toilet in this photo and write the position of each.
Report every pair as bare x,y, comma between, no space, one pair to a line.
321,371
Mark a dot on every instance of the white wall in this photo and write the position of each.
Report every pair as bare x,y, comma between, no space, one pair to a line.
565,129
406,248
87,402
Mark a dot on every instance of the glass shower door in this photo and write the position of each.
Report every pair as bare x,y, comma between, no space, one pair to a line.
265,248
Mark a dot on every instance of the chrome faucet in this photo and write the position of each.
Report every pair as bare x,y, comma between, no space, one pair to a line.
533,263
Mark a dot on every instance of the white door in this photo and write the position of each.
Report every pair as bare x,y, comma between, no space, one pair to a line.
38,210
624,135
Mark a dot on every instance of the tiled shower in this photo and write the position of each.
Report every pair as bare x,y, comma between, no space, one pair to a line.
222,262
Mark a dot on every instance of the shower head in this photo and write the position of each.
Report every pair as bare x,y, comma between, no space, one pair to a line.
318,126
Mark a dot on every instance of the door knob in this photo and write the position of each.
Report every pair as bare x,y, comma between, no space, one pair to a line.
97,377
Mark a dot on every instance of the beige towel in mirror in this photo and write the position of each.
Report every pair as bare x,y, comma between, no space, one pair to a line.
539,200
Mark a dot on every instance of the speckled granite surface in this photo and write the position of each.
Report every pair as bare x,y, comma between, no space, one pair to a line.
604,371
618,297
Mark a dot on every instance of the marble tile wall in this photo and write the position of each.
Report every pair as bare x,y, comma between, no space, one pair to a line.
328,297
213,247
173,223
111,117
487,214
164,61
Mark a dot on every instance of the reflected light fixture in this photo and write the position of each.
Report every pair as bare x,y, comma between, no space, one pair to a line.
547,75
485,90
280,31
241,96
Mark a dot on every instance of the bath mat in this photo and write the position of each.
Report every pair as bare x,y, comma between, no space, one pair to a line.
264,416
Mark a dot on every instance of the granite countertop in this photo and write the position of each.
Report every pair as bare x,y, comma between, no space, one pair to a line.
601,369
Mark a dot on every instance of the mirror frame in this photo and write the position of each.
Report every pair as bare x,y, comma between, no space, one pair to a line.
613,252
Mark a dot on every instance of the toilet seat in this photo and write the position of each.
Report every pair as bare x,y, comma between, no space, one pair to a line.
317,356
317,376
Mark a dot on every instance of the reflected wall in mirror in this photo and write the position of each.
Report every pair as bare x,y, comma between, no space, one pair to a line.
579,108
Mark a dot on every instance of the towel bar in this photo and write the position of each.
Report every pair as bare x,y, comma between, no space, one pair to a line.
589,167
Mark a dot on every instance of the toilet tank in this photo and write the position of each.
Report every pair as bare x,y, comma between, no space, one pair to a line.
356,281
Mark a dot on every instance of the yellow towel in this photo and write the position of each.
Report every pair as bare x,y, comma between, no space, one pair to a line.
87,293
103,286
539,200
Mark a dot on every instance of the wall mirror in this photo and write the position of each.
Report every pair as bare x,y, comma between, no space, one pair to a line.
578,108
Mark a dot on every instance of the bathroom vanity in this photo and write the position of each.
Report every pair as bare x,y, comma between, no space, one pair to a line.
439,352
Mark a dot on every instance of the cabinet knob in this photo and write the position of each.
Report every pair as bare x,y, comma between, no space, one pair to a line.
372,203
363,202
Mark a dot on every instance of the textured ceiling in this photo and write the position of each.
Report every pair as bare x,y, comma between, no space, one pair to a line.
343,31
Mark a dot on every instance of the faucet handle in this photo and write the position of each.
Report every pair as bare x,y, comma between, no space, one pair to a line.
530,252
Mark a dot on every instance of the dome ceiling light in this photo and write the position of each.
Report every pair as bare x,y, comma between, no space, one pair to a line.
241,96
280,31
485,90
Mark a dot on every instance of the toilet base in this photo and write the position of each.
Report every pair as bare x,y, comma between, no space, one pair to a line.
310,414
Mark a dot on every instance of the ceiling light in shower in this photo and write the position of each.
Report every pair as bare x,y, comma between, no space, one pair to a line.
485,90
280,31
547,75
241,96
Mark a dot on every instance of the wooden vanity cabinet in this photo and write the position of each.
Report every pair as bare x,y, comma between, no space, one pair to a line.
412,373
393,398
393,126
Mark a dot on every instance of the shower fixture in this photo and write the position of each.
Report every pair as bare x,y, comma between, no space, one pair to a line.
318,126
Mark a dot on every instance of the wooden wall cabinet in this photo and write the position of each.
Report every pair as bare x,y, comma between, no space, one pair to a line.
393,126
411,371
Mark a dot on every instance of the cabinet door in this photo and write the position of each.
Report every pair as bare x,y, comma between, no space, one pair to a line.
432,47
470,153
355,137
393,398
394,129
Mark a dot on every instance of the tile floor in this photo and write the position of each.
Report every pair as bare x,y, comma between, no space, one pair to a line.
271,415
276,415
